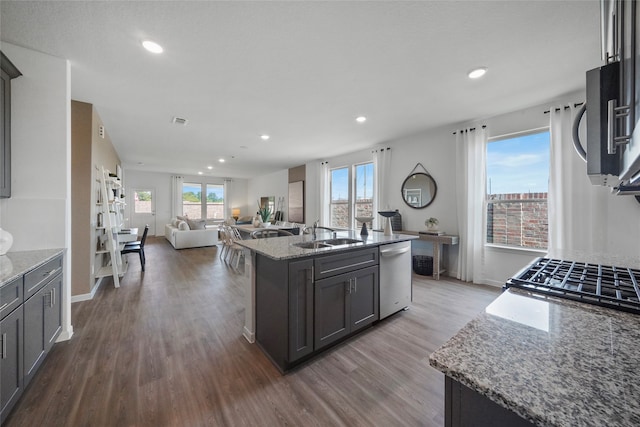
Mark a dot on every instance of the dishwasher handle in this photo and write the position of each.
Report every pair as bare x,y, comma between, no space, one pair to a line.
392,252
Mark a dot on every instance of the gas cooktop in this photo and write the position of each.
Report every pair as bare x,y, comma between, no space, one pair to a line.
607,286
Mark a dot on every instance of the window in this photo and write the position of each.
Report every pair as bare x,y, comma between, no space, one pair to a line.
143,202
517,185
351,194
203,201
215,201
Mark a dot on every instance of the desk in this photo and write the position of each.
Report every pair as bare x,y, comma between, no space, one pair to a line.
127,235
438,241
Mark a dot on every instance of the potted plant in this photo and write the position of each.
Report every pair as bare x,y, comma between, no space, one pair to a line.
264,213
432,224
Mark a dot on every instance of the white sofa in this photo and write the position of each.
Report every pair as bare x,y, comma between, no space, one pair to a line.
182,239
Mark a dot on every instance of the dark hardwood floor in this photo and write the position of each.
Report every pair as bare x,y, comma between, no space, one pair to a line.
165,349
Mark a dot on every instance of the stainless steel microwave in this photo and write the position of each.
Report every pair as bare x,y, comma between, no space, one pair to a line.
613,103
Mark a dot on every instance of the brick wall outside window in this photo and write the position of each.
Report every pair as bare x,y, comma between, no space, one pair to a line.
518,219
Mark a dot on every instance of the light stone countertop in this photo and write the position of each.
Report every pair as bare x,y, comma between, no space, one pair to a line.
15,264
552,361
280,248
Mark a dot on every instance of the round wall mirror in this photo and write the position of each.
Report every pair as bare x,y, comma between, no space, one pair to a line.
418,190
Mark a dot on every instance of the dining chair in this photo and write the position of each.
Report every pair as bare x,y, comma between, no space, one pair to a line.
234,252
137,247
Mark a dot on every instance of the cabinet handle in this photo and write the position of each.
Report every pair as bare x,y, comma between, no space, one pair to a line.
355,284
50,272
4,305
51,297
4,345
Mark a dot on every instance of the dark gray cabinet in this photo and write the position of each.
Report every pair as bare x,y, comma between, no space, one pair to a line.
42,325
300,309
31,313
8,71
465,407
305,304
344,304
12,384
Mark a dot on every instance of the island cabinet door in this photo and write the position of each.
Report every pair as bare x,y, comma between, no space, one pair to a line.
331,309
53,312
364,298
300,309
42,325
11,385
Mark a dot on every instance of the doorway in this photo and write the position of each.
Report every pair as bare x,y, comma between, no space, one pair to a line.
144,210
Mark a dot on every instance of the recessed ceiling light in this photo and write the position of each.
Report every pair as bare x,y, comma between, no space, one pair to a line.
477,73
209,167
199,172
361,119
221,160
152,47
264,137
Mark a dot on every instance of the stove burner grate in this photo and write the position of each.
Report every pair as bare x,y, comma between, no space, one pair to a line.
614,287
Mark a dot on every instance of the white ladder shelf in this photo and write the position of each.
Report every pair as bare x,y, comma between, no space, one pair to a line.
111,208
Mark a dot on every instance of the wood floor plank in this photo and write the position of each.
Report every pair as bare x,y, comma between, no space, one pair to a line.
165,349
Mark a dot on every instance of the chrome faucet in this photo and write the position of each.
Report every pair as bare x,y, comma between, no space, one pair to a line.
316,226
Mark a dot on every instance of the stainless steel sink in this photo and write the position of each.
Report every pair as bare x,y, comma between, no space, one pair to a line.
341,241
311,245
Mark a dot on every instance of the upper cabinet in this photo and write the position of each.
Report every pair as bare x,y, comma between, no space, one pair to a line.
8,71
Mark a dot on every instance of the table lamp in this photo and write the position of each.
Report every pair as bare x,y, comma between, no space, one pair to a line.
235,213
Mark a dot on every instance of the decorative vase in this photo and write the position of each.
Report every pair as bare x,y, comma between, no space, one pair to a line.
6,240
265,224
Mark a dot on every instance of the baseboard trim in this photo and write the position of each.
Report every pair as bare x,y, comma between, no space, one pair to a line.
65,335
89,296
250,336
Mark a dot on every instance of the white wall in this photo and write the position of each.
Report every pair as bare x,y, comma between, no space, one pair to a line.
161,183
274,184
615,229
38,212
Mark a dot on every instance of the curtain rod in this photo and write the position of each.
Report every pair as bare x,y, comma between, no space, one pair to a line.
566,107
470,130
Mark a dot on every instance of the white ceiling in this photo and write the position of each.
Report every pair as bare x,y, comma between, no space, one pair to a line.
301,71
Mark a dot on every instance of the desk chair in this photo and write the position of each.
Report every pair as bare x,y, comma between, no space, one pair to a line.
137,247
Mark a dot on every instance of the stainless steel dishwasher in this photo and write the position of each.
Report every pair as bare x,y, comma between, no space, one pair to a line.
395,277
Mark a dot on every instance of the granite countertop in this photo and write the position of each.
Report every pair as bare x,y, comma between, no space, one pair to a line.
280,248
554,362
15,264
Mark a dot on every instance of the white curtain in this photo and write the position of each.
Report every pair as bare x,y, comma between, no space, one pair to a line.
577,209
176,195
382,162
325,196
228,192
470,191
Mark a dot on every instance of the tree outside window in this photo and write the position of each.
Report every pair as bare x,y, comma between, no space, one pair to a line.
195,206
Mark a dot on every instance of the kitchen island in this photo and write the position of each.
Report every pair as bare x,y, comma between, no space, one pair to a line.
535,360
304,294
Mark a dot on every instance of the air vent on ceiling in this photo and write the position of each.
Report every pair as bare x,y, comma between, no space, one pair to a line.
101,131
180,121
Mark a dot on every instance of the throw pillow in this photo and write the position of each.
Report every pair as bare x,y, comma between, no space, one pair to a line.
182,225
174,222
181,218
196,224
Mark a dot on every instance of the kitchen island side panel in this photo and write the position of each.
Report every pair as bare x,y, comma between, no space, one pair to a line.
272,307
